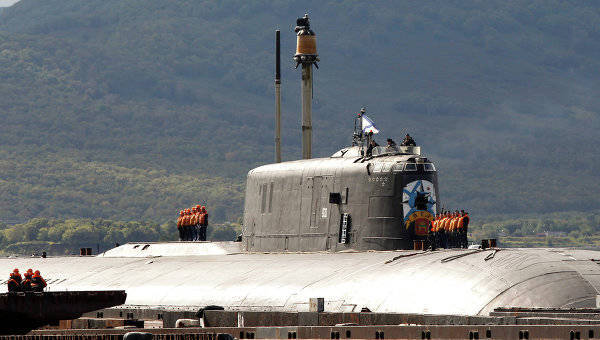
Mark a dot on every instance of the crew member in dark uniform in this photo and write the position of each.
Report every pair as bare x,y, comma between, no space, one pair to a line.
14,282
391,145
431,235
372,145
26,284
465,228
37,282
408,141
204,223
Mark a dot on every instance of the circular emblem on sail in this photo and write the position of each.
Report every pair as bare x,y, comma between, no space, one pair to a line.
418,195
421,219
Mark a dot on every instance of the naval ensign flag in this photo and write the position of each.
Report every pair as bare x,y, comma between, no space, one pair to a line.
368,125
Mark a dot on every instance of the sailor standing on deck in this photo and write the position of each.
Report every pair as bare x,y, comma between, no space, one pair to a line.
465,227
184,224
180,225
188,225
438,234
203,223
194,219
451,226
391,145
408,141
431,234
445,230
37,282
198,224
14,282
26,284
372,144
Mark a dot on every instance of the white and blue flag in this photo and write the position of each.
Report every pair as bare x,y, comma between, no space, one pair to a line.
368,125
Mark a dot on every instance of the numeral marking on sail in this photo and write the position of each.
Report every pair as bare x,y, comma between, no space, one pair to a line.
344,228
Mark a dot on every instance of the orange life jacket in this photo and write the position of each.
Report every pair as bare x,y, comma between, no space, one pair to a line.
13,285
38,281
460,223
453,224
16,277
26,284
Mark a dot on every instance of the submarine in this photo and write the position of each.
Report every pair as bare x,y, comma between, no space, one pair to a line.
342,228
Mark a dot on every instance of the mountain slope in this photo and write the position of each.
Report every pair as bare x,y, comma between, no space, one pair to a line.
501,95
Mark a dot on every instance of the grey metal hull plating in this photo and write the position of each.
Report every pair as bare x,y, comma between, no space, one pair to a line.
383,281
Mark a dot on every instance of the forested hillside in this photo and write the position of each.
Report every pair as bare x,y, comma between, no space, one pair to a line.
67,236
132,109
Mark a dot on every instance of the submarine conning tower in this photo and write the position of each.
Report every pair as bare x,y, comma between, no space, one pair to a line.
342,202
361,197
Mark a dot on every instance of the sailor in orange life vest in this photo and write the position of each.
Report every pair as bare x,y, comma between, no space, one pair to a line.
37,282
432,235
188,225
26,284
180,225
454,227
196,223
192,220
444,230
183,227
14,282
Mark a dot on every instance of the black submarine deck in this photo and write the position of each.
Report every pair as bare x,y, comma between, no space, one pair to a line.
21,312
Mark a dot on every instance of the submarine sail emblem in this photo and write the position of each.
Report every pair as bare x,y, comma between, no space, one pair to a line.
419,205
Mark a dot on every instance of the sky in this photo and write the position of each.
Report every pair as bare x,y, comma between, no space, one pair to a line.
6,3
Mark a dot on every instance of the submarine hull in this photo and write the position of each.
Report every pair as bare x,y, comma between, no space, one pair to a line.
457,281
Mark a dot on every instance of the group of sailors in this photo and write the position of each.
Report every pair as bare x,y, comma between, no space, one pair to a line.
391,145
192,224
449,230
33,282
